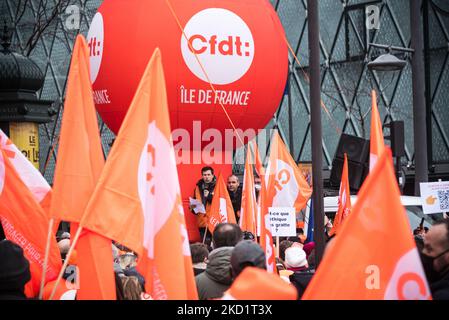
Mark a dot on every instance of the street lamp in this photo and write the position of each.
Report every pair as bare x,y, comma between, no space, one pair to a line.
389,62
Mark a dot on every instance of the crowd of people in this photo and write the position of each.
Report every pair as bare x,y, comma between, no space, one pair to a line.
218,261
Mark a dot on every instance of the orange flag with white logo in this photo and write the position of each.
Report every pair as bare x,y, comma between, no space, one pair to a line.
344,200
28,173
25,223
374,255
79,164
377,145
221,210
137,200
248,211
289,188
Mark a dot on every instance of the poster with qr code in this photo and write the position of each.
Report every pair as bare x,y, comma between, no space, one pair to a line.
435,196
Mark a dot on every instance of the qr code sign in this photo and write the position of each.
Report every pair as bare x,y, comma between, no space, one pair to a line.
443,197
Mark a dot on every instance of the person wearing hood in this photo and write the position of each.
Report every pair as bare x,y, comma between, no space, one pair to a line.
217,278
204,192
14,271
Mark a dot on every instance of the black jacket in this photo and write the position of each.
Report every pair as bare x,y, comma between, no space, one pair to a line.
206,186
440,288
301,279
236,199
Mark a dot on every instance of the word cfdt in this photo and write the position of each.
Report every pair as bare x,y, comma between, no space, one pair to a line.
199,44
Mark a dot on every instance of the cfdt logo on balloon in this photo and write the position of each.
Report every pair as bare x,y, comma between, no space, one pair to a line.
95,38
223,44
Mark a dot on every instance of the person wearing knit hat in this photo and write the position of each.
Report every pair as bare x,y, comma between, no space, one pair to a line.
257,284
14,271
296,261
247,253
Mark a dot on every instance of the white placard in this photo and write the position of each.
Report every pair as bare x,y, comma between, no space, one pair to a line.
282,221
196,205
435,196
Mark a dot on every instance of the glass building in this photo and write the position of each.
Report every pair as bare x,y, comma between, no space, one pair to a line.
346,29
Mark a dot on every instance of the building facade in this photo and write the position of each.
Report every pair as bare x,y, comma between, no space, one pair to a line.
346,29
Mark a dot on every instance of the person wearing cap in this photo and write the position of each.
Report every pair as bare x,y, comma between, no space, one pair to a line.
247,253
296,261
14,271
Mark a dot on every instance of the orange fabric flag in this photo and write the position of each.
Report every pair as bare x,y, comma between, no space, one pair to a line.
137,200
25,223
79,165
63,292
221,210
377,145
256,284
29,175
290,188
344,200
248,211
261,173
266,237
258,161
374,255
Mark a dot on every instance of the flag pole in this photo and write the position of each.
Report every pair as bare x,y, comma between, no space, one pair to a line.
47,253
66,261
205,233
277,247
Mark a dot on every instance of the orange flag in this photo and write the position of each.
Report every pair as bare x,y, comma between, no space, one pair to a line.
256,284
266,236
221,207
344,200
137,200
248,211
79,165
29,175
25,223
377,145
290,188
258,162
261,173
374,255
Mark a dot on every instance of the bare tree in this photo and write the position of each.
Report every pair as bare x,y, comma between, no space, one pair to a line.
37,17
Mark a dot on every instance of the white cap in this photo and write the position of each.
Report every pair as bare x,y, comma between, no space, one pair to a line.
295,257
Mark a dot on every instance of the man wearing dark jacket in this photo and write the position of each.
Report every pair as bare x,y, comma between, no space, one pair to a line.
204,192
14,271
235,193
435,259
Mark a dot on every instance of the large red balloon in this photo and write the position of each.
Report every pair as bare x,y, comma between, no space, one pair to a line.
240,44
